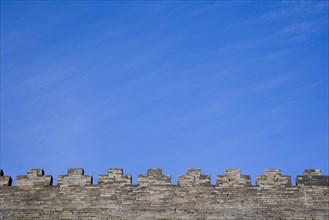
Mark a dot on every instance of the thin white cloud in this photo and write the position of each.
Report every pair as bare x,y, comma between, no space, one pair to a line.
293,9
276,54
271,84
302,27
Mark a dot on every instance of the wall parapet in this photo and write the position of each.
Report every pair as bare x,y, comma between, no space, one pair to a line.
115,177
34,177
194,177
272,179
154,177
312,177
75,177
233,178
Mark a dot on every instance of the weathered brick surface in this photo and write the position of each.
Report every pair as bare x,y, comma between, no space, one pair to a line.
156,198
194,177
273,179
312,177
75,177
114,177
233,177
34,177
154,177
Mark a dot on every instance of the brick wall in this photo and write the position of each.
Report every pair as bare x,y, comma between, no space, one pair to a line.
155,197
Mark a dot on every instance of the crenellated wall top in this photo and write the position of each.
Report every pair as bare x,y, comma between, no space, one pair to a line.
271,179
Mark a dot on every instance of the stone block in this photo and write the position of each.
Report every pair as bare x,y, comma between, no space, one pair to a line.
194,177
233,178
114,177
272,179
75,177
312,177
154,177
34,177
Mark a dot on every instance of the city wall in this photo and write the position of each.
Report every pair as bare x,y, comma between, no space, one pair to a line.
154,196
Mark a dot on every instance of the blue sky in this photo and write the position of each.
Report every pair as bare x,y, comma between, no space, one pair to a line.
176,85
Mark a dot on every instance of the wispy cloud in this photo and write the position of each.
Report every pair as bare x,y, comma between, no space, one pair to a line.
304,17
294,9
271,84
221,107
299,27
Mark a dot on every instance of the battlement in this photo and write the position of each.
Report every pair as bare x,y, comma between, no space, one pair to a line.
34,177
233,178
154,177
271,179
114,177
156,197
194,177
75,177
312,177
